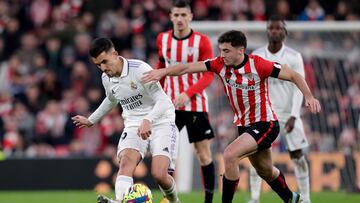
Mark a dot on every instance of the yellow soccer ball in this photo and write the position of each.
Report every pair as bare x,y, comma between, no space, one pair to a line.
137,193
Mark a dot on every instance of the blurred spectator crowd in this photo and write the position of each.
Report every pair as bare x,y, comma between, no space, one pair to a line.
46,76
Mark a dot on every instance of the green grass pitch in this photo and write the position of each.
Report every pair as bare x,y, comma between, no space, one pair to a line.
193,197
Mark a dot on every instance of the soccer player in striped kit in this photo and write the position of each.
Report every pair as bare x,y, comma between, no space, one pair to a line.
286,101
184,45
245,79
149,119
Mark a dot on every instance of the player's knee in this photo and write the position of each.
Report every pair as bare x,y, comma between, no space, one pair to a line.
125,163
159,174
297,154
265,171
265,174
204,156
229,156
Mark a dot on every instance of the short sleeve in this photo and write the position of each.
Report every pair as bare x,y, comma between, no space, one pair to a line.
150,87
105,83
299,65
266,68
161,60
215,64
206,51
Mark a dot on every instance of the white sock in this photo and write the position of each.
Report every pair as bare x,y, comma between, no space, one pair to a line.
302,175
122,183
255,184
170,193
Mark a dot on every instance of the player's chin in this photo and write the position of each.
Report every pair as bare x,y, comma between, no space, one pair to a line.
180,27
227,63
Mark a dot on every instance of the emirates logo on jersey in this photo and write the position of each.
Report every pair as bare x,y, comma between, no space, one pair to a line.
133,85
242,86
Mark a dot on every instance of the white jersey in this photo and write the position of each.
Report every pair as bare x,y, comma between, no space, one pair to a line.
285,97
139,101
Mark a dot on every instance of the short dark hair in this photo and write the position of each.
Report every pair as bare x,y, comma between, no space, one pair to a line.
276,18
234,37
99,45
182,4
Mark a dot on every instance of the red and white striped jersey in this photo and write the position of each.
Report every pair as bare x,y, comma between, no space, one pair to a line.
193,48
246,86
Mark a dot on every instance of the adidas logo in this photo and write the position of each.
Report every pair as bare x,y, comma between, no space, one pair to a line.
166,149
256,131
207,132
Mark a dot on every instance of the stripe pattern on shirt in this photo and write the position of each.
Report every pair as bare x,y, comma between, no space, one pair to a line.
248,94
183,51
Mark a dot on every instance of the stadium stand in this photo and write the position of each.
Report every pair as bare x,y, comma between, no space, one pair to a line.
46,76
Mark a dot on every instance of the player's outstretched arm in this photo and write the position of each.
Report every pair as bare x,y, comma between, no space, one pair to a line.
81,121
179,69
287,73
104,108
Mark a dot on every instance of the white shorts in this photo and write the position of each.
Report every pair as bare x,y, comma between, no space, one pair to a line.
162,141
296,139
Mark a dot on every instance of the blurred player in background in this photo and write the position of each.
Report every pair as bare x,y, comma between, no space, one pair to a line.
245,79
148,116
184,45
286,101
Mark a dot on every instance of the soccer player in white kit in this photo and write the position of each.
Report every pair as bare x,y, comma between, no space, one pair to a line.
149,117
286,101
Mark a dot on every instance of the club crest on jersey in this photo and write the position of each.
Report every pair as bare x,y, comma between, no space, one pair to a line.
133,85
250,77
190,51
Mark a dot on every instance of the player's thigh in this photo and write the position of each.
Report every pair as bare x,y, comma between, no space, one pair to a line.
264,133
203,147
296,139
240,148
164,141
130,140
198,127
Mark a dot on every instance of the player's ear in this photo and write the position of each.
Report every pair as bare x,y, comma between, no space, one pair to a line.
241,50
114,52
170,13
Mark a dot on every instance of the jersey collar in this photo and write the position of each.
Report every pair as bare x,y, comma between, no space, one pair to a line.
124,72
242,64
279,53
183,38
125,69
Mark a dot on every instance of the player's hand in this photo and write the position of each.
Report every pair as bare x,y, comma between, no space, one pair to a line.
144,130
153,75
81,121
181,100
290,123
313,105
